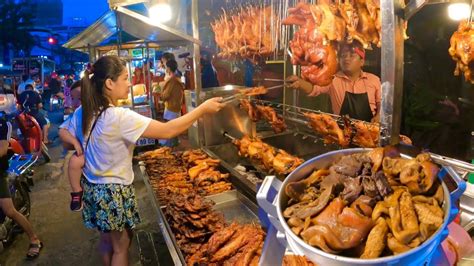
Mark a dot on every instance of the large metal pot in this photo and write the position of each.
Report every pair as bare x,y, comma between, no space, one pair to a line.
417,256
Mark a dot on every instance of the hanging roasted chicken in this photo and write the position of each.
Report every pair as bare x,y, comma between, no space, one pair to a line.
251,32
462,50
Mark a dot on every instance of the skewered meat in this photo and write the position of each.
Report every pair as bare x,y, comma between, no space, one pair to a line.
254,91
257,149
284,163
251,32
276,121
268,156
250,108
243,145
326,126
367,135
462,50
272,160
256,111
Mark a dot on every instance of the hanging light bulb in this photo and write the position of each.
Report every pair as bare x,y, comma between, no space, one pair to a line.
459,11
160,11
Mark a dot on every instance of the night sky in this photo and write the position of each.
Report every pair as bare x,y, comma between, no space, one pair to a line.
90,10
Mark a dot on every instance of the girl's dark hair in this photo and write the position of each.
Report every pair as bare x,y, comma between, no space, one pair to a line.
93,96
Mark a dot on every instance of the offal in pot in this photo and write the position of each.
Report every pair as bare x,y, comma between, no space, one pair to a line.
367,205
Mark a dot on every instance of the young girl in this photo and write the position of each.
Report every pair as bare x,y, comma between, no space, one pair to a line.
107,136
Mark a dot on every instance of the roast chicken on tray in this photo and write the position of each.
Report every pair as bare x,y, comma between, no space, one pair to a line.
271,159
355,132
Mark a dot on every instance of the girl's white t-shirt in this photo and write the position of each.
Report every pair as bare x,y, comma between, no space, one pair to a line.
109,153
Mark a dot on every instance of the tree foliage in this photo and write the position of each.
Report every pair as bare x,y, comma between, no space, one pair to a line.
15,21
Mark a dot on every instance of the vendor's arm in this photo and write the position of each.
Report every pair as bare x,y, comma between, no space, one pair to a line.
305,86
173,128
378,103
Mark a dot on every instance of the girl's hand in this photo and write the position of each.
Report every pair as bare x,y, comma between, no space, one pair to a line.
212,105
78,148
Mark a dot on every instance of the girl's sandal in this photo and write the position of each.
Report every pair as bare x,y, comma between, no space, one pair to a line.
34,250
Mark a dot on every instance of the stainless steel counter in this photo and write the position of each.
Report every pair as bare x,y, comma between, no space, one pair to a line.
233,204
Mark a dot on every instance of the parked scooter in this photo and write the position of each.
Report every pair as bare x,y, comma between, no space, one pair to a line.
31,141
20,180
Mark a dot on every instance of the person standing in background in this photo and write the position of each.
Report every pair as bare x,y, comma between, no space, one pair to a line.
172,95
208,72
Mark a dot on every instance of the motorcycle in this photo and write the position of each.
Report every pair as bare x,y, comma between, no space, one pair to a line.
19,182
32,137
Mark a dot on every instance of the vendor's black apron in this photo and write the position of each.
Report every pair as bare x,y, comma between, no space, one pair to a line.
357,106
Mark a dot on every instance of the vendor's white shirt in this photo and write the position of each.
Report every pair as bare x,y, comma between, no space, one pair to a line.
110,151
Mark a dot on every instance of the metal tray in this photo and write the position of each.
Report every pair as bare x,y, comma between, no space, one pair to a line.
233,204
235,207
170,240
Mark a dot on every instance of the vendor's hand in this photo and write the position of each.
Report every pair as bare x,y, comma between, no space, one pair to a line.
212,105
376,118
299,84
78,148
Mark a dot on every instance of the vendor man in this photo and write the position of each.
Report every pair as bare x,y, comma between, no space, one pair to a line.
352,92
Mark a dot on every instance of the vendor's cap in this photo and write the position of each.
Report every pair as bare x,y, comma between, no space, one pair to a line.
354,46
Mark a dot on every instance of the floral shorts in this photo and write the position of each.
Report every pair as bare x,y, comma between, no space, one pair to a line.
109,207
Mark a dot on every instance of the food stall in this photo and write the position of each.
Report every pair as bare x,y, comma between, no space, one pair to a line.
138,40
253,151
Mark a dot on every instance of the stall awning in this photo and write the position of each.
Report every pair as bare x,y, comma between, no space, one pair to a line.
130,22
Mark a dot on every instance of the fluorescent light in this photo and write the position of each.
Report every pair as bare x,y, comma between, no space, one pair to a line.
160,13
459,11
1,65
228,87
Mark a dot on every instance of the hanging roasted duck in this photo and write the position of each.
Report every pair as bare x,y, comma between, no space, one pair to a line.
462,50
253,31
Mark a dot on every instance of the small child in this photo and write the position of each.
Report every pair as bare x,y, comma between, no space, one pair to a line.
76,163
